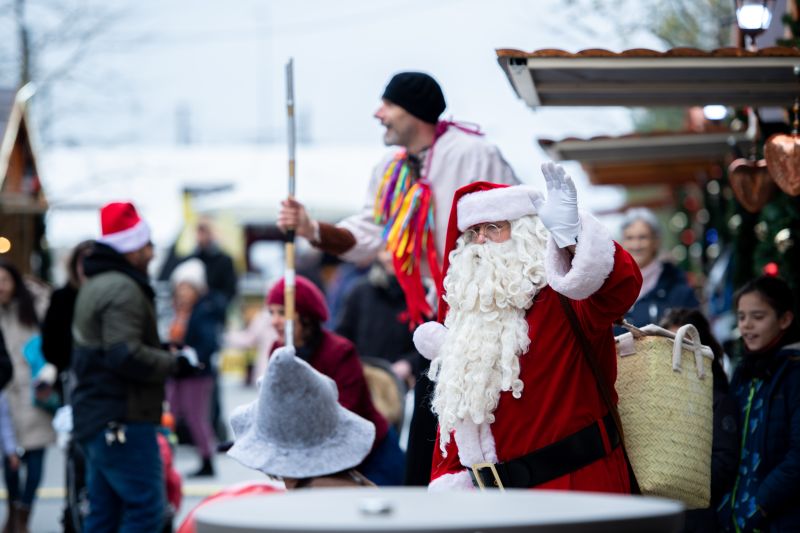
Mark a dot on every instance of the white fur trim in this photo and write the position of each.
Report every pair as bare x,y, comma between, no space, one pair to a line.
588,270
128,240
475,443
504,203
487,443
428,339
448,482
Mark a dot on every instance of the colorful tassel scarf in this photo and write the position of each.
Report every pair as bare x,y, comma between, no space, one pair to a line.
404,207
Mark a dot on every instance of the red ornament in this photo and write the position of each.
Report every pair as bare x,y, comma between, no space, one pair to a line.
687,237
691,204
771,269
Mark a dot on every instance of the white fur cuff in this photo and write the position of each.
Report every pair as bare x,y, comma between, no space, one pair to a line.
448,482
504,203
593,261
428,339
475,443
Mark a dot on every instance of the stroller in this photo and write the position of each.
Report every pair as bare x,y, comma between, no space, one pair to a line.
76,504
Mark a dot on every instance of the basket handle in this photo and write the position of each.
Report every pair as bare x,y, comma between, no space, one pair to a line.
694,344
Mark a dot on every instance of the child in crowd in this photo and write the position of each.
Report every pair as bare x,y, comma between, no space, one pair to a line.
766,385
197,313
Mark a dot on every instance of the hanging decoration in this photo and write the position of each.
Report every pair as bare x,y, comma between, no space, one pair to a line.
782,153
751,183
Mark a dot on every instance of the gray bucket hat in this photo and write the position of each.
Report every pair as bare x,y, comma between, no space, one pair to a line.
296,427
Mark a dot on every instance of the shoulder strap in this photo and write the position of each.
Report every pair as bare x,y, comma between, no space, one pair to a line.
602,384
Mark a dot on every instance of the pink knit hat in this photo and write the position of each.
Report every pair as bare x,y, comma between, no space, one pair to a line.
309,300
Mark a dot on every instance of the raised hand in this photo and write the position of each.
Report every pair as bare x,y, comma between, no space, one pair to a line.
559,212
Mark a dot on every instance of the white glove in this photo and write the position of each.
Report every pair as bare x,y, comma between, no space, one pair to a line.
559,213
428,339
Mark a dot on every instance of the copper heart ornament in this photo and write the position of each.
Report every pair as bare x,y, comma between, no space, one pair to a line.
782,153
751,183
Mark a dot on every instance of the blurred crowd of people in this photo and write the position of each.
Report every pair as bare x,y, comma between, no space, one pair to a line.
524,285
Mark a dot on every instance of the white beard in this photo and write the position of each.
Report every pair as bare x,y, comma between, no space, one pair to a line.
489,288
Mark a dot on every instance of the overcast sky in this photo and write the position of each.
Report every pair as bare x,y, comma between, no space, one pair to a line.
219,67
215,71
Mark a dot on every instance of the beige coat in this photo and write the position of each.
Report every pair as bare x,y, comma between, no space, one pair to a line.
33,427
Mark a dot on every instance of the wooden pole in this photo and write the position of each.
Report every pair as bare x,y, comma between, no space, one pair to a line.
289,274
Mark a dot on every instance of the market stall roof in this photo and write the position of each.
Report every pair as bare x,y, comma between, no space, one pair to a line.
644,159
646,78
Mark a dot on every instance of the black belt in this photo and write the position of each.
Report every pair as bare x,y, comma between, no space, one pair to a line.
571,453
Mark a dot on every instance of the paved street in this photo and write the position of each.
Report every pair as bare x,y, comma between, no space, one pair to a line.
47,511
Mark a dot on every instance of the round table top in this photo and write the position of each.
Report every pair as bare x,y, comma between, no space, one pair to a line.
414,509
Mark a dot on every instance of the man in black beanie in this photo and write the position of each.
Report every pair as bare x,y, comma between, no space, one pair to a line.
412,103
411,192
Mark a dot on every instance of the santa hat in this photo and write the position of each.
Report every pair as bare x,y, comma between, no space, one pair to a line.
122,227
309,300
480,202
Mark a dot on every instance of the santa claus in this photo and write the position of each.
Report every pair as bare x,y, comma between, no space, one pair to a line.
517,401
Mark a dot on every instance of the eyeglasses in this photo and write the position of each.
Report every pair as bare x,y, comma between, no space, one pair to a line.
493,231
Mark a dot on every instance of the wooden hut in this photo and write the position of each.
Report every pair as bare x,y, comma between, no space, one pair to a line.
22,201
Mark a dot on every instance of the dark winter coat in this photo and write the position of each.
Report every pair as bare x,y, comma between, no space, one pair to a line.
6,368
119,366
374,319
779,444
202,331
671,292
724,453
220,274
57,327
57,331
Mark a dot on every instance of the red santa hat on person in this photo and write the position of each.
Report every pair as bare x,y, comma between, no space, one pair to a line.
122,227
481,202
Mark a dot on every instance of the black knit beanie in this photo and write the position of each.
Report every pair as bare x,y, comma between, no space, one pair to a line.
418,93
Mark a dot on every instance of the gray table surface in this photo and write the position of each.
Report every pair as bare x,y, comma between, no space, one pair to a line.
414,509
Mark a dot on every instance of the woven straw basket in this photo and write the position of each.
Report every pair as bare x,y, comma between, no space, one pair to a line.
665,404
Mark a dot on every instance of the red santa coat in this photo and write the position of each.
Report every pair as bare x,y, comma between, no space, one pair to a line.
560,394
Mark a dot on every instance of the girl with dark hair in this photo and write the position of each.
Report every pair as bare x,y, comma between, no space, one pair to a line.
32,425
337,358
725,443
766,385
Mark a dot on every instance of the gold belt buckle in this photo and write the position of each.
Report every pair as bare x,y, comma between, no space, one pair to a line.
476,472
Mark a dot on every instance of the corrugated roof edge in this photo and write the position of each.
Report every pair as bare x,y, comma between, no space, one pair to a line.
773,51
